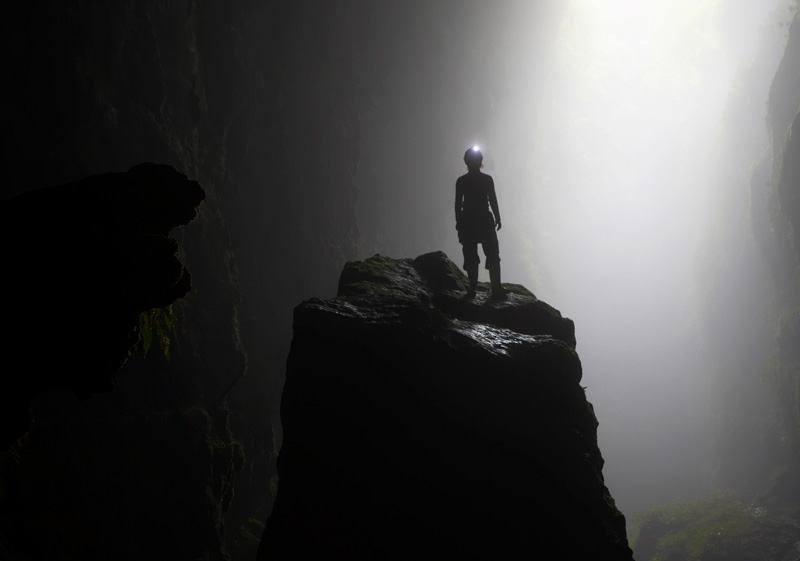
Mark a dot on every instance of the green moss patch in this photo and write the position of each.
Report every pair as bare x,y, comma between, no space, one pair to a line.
156,326
692,529
376,268
518,289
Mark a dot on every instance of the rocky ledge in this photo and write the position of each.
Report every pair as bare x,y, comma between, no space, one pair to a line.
418,424
83,261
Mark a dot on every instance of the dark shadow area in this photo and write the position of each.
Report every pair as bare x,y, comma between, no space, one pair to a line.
82,262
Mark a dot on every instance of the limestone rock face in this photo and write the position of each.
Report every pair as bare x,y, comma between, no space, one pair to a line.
418,424
84,260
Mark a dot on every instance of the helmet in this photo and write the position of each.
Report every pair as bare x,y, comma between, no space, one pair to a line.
473,157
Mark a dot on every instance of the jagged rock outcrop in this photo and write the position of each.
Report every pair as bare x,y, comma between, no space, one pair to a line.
145,471
83,261
421,425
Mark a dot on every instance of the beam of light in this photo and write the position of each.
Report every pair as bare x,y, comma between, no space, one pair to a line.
611,201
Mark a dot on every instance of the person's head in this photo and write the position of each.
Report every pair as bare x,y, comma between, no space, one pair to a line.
473,158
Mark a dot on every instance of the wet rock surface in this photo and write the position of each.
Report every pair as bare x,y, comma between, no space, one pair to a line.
418,424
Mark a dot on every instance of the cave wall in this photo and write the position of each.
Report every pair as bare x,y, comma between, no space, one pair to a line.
766,400
748,272
781,249
146,469
222,92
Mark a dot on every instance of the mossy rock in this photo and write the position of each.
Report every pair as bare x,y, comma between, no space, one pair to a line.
434,281
717,527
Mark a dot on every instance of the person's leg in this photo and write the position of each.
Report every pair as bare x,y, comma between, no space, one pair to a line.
471,263
491,249
494,277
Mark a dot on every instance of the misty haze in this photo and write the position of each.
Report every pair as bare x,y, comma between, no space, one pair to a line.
644,157
608,129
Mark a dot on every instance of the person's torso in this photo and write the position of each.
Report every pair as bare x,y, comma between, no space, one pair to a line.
477,188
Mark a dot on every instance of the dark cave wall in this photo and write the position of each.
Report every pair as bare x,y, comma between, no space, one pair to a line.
752,344
775,218
148,468
782,251
220,91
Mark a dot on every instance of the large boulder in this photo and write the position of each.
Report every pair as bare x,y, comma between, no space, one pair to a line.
419,424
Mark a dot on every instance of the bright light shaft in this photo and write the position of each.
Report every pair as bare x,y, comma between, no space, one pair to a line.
612,194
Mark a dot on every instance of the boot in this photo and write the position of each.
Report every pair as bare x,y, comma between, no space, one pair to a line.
472,274
494,277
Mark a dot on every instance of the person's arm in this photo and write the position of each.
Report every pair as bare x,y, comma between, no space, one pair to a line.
459,201
493,204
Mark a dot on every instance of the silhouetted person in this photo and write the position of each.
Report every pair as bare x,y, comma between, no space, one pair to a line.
476,224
